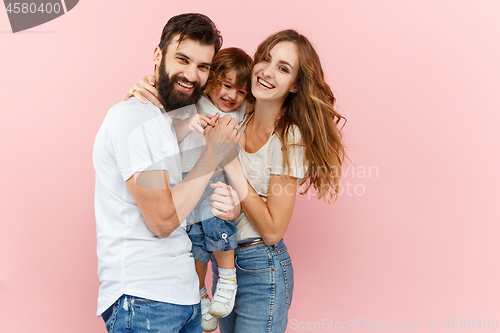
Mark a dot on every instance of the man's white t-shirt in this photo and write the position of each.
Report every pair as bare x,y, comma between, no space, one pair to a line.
136,137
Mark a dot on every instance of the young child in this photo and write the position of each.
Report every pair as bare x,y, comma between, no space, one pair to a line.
227,91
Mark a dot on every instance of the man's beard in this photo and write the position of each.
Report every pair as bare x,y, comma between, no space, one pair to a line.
170,96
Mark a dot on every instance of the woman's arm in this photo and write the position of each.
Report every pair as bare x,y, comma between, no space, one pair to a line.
145,90
270,219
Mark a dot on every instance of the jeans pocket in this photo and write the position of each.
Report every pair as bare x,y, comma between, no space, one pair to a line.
111,320
253,263
144,301
287,267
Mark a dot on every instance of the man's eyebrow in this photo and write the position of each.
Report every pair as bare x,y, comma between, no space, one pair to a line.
181,54
208,64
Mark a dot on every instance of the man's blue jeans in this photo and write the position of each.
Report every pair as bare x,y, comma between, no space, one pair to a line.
136,315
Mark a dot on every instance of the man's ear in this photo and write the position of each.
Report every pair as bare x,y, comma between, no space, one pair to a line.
157,56
293,89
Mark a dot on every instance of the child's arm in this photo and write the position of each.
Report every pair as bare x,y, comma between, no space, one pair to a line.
194,123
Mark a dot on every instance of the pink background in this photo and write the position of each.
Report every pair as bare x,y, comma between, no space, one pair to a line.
414,241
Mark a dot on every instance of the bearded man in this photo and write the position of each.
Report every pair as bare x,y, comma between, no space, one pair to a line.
147,273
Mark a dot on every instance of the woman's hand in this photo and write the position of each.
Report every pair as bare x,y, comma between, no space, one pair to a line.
145,90
225,202
232,150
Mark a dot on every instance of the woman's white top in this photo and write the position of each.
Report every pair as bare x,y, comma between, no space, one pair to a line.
259,166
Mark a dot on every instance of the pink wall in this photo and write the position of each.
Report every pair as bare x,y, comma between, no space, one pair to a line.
414,241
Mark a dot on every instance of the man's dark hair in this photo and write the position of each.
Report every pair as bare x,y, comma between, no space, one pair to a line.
197,27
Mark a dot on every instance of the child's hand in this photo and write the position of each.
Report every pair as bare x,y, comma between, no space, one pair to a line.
198,122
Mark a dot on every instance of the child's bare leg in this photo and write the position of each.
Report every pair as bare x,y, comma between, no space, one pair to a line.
201,270
225,259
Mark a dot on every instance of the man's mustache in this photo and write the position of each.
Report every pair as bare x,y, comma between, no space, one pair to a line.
184,80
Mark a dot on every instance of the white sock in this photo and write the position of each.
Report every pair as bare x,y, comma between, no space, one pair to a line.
203,292
227,274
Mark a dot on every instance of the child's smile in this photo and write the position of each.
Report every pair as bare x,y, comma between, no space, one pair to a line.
228,97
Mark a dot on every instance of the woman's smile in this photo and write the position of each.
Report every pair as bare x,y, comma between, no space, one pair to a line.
274,75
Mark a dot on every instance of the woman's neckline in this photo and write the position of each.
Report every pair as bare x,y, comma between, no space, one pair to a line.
265,144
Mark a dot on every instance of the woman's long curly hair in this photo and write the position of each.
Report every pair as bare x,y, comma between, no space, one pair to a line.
311,108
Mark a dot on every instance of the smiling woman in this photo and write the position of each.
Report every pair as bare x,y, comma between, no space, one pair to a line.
293,129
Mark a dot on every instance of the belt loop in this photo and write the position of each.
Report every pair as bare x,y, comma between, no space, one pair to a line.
125,303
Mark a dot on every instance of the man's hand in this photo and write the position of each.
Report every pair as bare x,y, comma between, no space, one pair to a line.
225,202
222,139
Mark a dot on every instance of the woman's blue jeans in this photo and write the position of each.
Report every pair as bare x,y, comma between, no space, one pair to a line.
265,287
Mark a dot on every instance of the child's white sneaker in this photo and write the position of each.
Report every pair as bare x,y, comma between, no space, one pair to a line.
223,300
208,323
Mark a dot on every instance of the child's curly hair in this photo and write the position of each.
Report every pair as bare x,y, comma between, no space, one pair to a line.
231,58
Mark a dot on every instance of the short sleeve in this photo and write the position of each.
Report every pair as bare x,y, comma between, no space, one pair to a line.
296,166
136,144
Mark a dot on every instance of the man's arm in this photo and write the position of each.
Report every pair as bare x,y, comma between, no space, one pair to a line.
164,208
154,201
